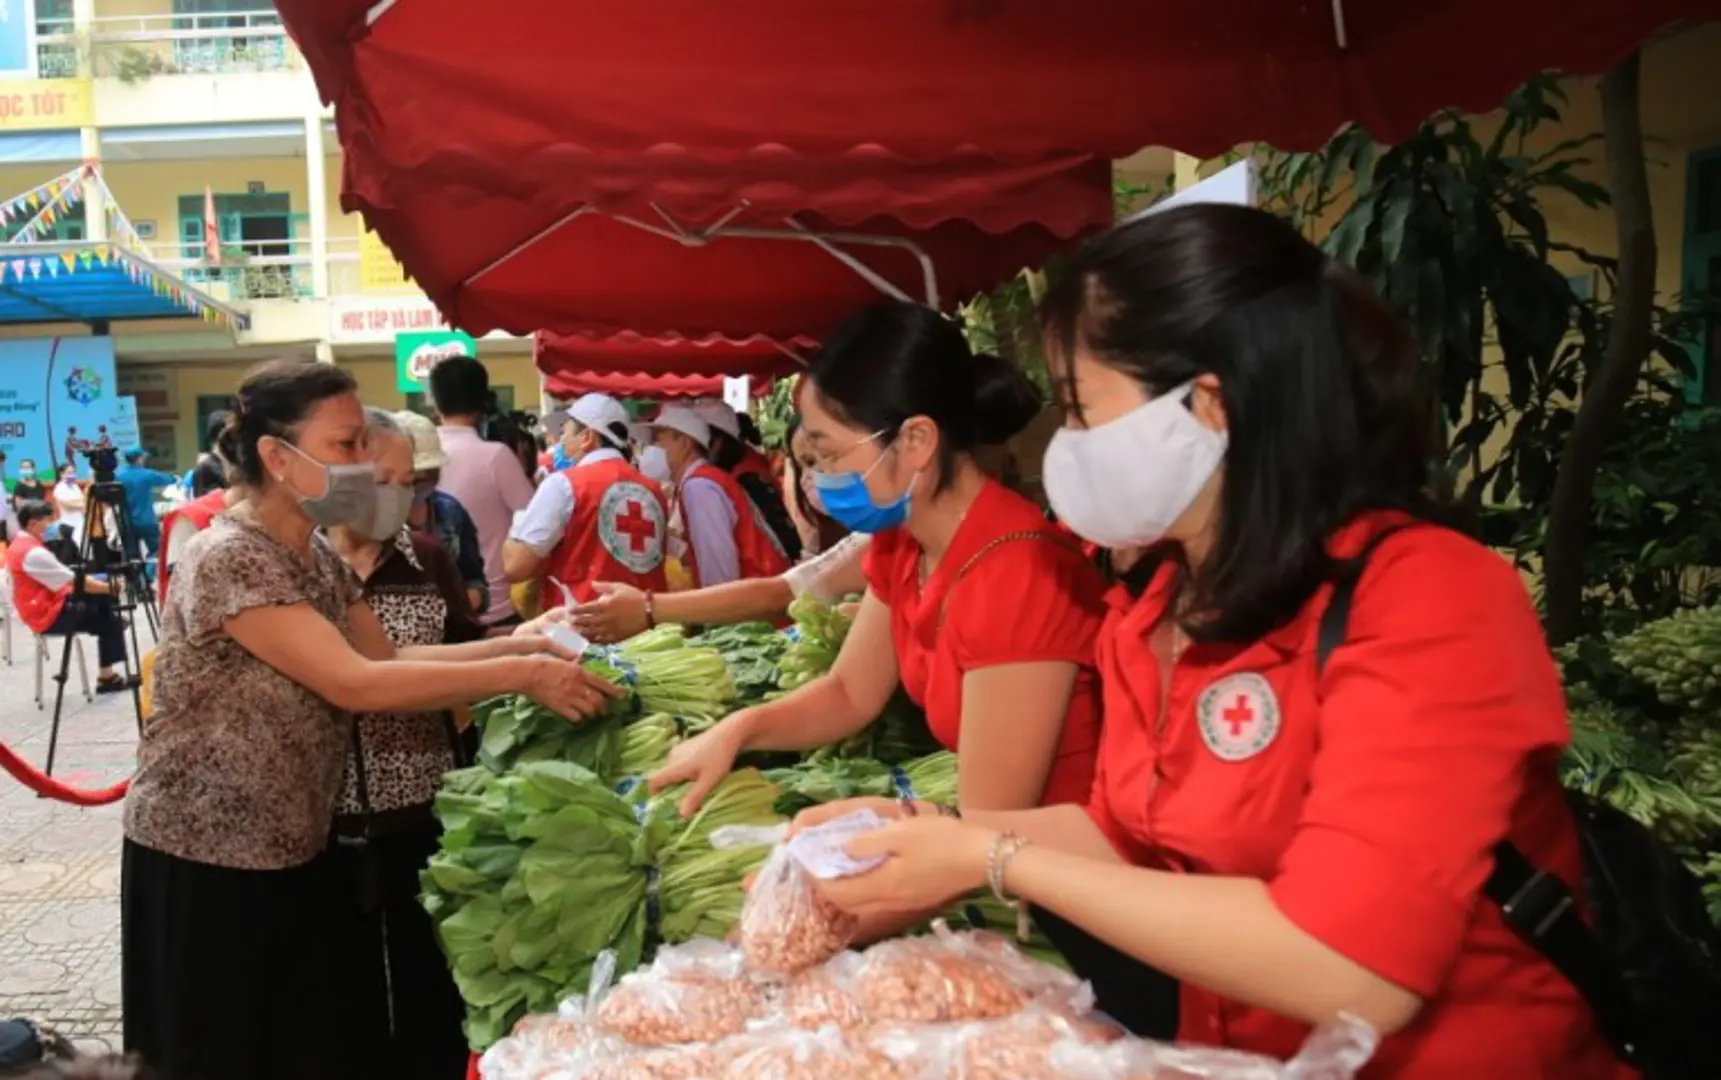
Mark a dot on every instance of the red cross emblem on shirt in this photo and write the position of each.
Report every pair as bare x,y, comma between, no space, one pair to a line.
1239,715
633,524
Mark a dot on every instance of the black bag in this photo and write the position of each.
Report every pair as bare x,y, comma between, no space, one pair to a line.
1649,965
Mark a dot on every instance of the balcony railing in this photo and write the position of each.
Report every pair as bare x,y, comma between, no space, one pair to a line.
270,269
133,48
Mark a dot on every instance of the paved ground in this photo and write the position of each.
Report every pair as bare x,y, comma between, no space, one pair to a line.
59,864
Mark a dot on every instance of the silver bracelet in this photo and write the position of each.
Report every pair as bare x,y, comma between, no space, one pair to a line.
1005,847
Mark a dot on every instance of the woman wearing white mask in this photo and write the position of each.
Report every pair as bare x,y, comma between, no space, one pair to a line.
69,497
267,648
1293,820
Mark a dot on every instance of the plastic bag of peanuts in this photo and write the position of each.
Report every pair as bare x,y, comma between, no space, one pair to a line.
826,1054
542,1045
948,976
785,925
693,993
820,997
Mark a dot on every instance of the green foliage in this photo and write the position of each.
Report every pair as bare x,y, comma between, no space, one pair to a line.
1644,733
541,870
1450,230
775,412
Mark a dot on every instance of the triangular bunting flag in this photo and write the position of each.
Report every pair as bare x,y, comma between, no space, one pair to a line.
18,269
34,200
35,268
103,254
70,259
53,268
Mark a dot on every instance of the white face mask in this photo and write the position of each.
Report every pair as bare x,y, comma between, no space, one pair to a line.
654,463
1124,483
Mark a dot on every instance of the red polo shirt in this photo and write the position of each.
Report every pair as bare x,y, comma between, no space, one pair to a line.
1369,809
1022,602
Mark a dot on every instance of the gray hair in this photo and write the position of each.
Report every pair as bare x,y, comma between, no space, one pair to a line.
382,422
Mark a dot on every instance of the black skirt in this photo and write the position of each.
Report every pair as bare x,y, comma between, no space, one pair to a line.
227,973
399,1000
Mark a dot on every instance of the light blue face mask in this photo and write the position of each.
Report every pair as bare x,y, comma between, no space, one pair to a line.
847,501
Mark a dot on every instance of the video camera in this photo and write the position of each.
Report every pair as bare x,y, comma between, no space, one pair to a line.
103,461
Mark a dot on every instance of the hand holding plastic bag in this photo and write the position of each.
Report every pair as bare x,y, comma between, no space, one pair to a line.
786,926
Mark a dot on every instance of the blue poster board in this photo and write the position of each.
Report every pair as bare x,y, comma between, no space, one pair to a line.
53,390
18,39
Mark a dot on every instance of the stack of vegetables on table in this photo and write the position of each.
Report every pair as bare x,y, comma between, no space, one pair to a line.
789,1002
553,854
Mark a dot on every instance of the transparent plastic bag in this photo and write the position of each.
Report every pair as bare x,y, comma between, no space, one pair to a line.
785,926
542,1046
827,1054
1336,1052
693,993
948,976
820,997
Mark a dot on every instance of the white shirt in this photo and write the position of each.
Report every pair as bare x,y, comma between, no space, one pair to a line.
181,531
544,522
46,570
710,519
69,498
834,574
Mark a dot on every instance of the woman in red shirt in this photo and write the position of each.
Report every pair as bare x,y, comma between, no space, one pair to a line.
984,613
1291,844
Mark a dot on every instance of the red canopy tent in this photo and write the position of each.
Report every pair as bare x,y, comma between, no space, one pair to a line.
439,96
626,384
761,358
515,266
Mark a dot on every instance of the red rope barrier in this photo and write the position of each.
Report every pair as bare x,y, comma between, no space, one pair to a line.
26,774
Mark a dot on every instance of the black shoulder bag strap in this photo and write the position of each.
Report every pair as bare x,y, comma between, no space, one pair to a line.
1537,905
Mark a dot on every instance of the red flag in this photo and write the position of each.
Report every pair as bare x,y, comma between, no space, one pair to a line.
211,230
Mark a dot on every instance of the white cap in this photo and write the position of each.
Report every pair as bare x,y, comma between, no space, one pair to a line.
720,416
598,412
427,454
685,420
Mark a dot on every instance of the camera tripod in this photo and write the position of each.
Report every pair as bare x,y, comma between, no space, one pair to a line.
124,568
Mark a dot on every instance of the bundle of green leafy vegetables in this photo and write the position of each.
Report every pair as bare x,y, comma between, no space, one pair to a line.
820,630
751,651
517,730
899,734
544,868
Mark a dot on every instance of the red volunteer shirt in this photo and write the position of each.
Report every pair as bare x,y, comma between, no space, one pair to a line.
755,544
616,532
1370,809
200,512
37,605
1022,602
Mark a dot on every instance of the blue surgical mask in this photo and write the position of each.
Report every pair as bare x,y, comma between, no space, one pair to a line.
846,500
560,459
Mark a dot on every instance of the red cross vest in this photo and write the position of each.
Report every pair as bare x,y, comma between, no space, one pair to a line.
37,604
616,533
755,544
200,512
753,463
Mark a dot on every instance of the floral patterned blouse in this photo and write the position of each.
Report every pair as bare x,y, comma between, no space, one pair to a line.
238,765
